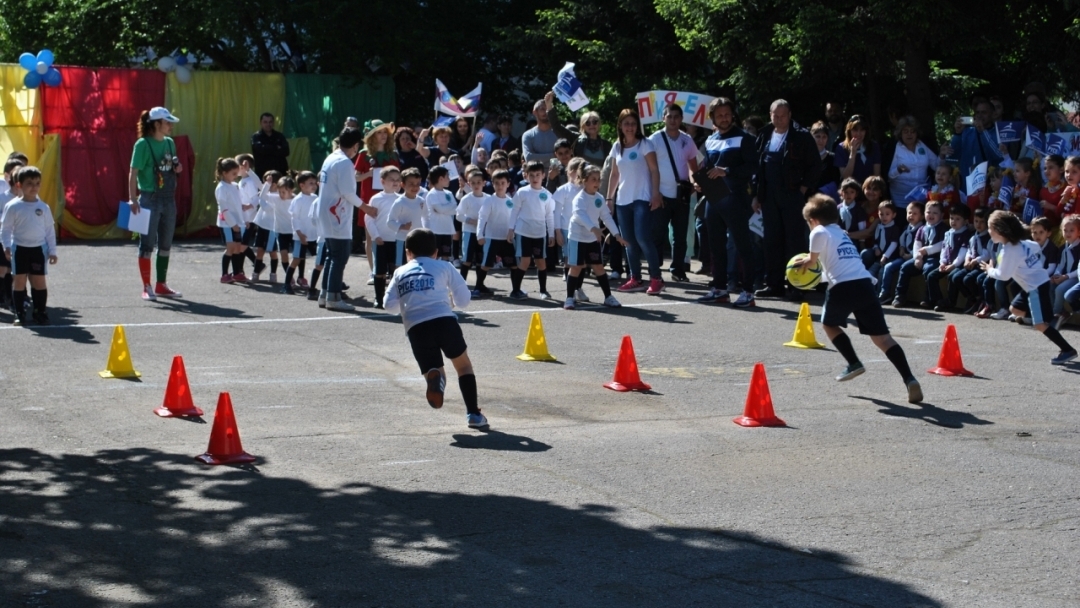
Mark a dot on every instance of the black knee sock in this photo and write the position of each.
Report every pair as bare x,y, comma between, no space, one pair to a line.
225,260
605,284
238,263
516,277
380,289
464,272
19,301
273,265
249,254
467,384
314,283
899,361
1055,337
39,296
541,276
843,345
301,266
481,274
289,274
571,285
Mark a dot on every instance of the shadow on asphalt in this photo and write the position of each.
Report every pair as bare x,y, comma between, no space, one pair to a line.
203,309
495,440
927,412
60,327
149,527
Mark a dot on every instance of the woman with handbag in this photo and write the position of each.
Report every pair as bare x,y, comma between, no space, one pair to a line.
676,159
152,186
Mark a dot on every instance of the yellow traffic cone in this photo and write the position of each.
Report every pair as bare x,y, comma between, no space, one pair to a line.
119,365
804,331
536,344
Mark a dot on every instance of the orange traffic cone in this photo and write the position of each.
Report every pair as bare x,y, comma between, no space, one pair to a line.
758,410
949,362
225,445
626,371
178,393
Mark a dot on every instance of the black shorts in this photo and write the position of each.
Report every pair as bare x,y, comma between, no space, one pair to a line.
285,242
28,260
858,297
497,248
445,245
264,237
471,252
388,256
4,262
232,235
528,247
249,235
432,339
301,251
1038,302
584,254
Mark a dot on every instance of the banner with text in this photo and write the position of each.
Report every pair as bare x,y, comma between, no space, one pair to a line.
695,107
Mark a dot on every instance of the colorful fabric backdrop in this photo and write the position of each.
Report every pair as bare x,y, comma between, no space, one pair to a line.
81,133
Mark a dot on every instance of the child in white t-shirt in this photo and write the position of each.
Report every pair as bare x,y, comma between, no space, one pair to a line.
491,228
250,185
426,290
304,232
265,237
532,230
230,220
387,251
28,236
468,214
439,208
584,248
851,291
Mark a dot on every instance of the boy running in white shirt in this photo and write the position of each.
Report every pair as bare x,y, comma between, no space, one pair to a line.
468,214
439,210
387,251
851,291
426,290
28,236
532,230
491,229
304,233
585,245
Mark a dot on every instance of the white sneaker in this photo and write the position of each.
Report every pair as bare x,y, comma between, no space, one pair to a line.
339,305
148,293
569,304
371,281
580,296
322,300
497,266
612,302
478,421
273,277
1024,320
255,277
1000,315
614,276
746,300
545,296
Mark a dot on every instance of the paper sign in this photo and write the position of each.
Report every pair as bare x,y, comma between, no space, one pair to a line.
695,107
1032,210
976,180
568,89
376,178
757,225
135,222
452,169
1009,130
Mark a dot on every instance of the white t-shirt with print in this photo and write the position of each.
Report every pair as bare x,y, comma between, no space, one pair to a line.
838,255
684,151
635,181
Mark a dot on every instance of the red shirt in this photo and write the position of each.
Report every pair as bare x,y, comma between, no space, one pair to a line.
1052,196
365,163
1067,204
947,197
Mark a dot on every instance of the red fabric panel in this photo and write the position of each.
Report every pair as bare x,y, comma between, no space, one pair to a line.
186,153
96,112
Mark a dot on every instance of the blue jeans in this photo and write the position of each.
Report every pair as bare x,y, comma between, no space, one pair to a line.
636,224
890,273
1059,294
162,209
909,270
338,255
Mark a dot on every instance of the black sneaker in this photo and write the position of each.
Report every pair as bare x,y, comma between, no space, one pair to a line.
260,266
885,298
850,372
313,294
436,385
41,318
1064,357
288,289
20,318
680,278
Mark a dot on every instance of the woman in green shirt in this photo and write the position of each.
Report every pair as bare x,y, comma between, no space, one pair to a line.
152,185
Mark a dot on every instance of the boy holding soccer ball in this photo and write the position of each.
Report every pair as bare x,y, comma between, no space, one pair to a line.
851,291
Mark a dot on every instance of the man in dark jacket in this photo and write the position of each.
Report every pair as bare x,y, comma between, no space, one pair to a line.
788,171
269,147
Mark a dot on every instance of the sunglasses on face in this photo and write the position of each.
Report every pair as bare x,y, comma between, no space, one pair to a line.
591,123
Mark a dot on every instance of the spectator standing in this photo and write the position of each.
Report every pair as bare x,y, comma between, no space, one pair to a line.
676,159
269,147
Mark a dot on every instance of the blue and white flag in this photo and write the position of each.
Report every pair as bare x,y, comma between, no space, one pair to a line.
443,121
918,194
1009,131
1006,191
1057,144
831,190
568,89
976,180
1032,210
1034,139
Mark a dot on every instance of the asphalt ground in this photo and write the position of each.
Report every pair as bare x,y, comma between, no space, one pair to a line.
362,495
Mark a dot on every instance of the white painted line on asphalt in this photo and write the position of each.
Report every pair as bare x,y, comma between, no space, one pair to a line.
407,462
474,313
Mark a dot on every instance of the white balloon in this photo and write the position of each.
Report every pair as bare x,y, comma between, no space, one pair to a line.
166,64
42,67
183,74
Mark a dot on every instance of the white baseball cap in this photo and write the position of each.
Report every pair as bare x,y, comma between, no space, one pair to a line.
160,113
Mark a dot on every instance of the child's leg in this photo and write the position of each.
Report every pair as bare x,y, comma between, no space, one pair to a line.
889,274
842,343
237,258
466,382
226,259
1059,294
38,292
907,270
601,279
973,285
18,295
541,273
989,290
956,286
933,283
895,354
572,277
517,274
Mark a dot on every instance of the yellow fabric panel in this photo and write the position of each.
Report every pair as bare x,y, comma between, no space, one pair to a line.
299,154
219,111
20,118
52,183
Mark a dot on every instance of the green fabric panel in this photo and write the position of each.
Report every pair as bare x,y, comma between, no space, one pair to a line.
317,105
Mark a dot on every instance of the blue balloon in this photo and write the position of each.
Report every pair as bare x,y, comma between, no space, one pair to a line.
47,56
181,60
28,61
52,77
32,80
